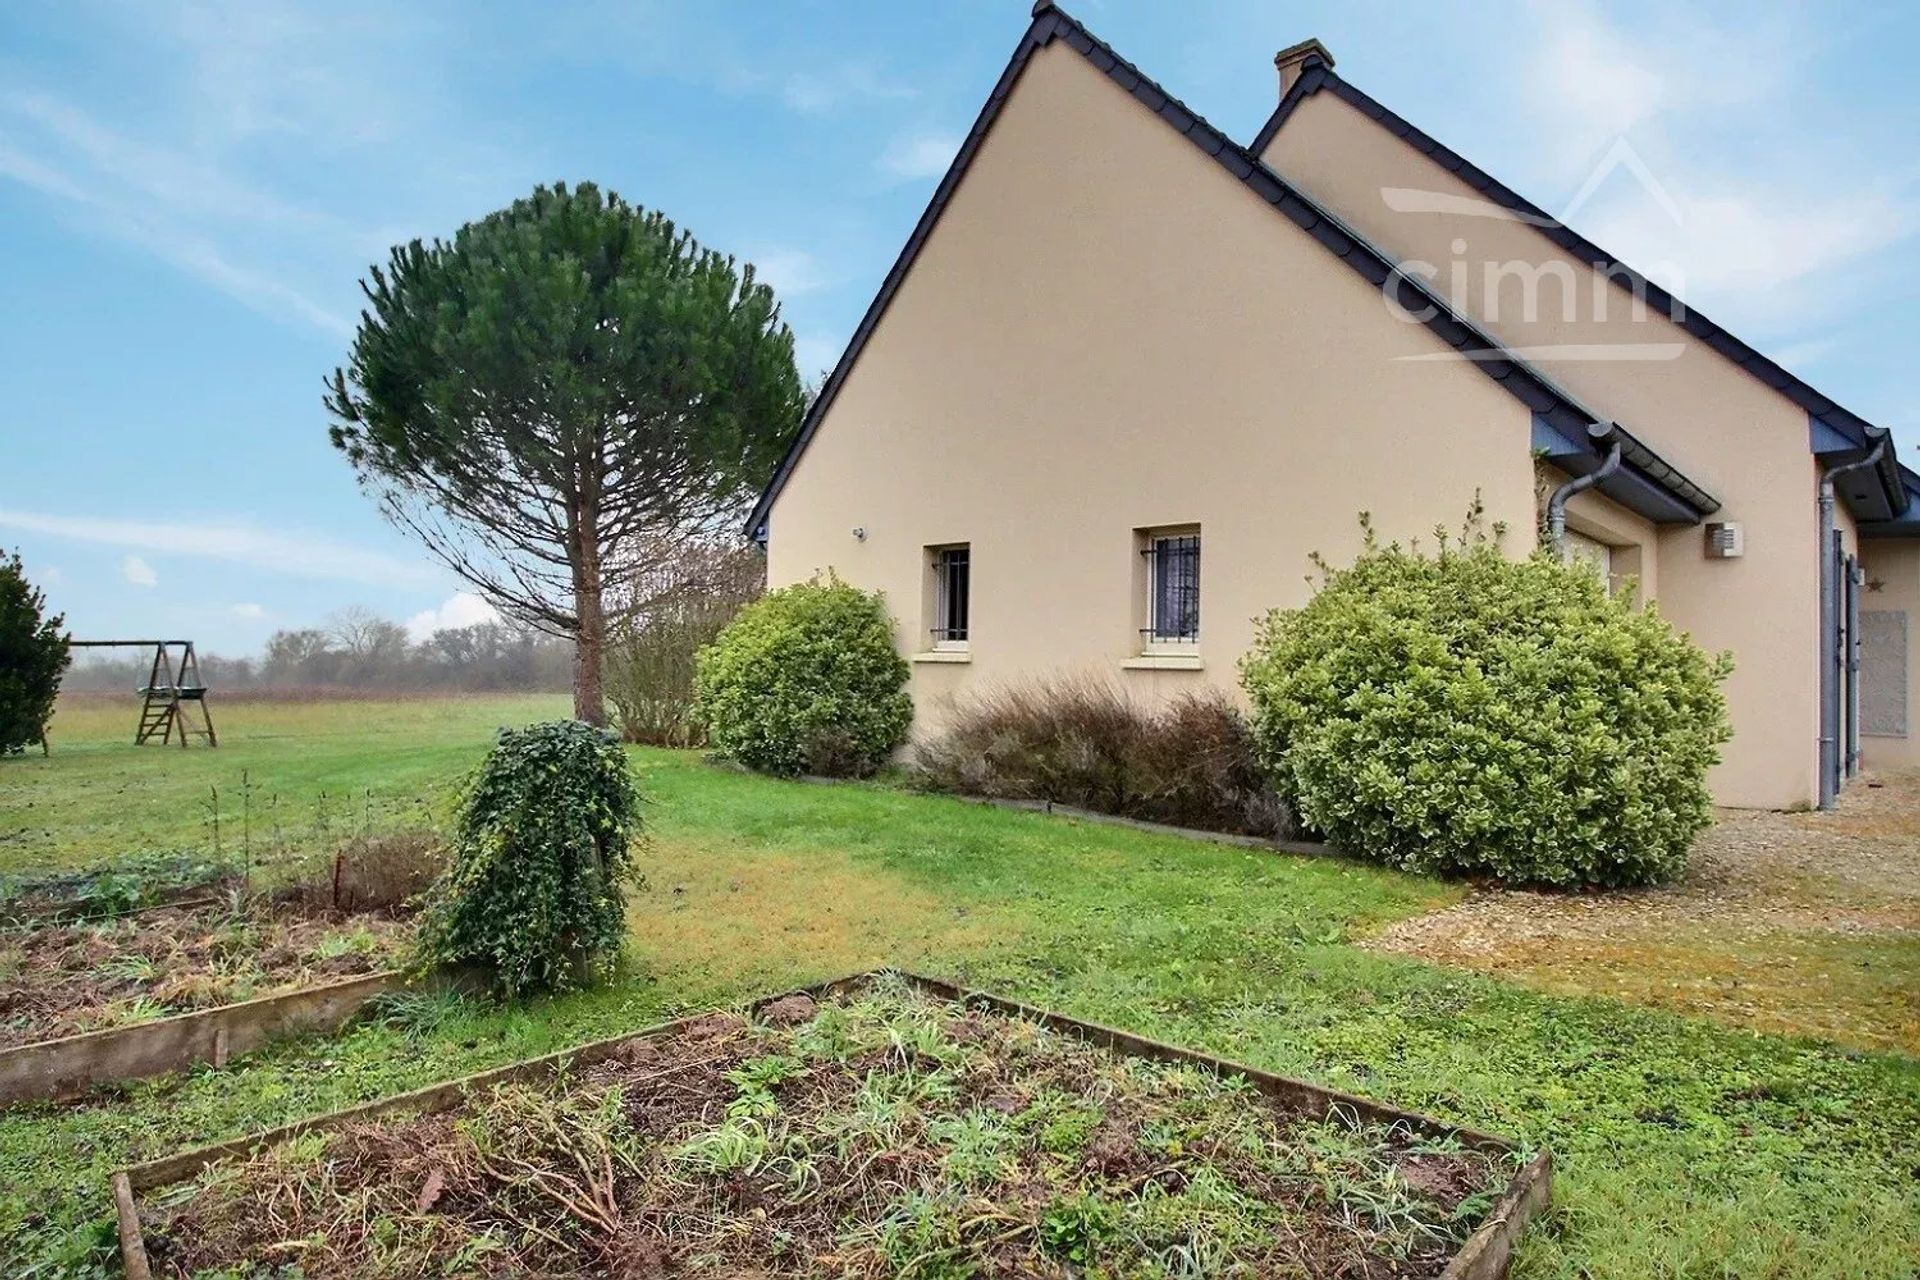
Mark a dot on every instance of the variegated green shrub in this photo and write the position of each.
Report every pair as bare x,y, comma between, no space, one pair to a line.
1467,712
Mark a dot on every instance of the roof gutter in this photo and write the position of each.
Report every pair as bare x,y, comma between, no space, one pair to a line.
1599,433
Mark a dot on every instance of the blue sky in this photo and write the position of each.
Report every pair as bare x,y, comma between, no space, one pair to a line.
189,193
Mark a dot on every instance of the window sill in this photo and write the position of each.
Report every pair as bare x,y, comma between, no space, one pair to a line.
943,655
1163,662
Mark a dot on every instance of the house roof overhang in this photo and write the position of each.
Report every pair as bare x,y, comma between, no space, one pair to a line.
1469,341
1847,435
1643,482
1907,523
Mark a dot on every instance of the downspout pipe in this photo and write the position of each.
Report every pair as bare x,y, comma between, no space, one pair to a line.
1832,658
1600,433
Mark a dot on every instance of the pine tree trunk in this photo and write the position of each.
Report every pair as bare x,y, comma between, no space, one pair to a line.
589,651
590,635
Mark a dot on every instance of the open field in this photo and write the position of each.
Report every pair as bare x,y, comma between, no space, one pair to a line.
307,773
1685,1147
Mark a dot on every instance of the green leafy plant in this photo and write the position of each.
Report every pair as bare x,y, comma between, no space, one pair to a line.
33,656
1074,1228
1468,712
541,852
806,680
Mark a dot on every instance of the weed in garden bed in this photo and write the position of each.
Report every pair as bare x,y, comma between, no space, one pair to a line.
887,1133
320,922
107,889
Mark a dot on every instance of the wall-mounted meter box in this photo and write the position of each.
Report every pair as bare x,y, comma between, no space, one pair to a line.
1726,540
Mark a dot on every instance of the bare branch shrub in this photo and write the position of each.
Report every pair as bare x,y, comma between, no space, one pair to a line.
1082,741
684,599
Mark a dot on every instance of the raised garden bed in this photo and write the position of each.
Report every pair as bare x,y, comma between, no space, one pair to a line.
883,1125
65,979
115,889
88,1002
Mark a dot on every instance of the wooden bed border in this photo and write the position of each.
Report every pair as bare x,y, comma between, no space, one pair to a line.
55,1070
1485,1256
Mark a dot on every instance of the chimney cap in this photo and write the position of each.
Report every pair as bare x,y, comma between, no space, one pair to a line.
1298,54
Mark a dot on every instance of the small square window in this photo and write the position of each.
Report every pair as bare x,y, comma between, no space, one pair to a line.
1173,589
952,596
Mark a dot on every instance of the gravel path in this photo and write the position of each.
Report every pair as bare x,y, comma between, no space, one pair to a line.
1805,923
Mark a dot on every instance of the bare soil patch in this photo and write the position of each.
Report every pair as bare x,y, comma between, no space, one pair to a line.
1802,923
883,1133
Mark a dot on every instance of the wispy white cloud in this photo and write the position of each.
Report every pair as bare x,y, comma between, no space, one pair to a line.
827,89
1731,202
158,200
919,155
1745,241
790,271
307,555
251,612
461,609
139,572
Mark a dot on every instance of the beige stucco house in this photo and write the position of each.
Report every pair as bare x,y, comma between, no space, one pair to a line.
1128,374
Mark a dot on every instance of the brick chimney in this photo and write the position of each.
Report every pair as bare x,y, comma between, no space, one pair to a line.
1294,60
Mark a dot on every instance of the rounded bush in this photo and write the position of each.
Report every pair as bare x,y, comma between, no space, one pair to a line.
540,854
1464,712
806,680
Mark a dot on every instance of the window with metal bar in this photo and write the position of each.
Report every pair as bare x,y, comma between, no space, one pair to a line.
1173,589
953,590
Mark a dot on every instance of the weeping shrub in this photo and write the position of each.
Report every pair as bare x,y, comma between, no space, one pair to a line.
806,680
1465,712
1082,741
540,856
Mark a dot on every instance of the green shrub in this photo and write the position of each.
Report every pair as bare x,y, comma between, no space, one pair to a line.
806,680
540,854
1464,712
33,656
1083,742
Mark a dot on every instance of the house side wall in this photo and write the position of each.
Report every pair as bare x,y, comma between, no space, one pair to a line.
1723,428
1107,332
1893,587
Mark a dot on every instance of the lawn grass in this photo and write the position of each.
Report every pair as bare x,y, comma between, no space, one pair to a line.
1684,1148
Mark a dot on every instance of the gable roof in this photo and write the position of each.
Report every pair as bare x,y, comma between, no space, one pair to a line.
1644,469
1317,74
